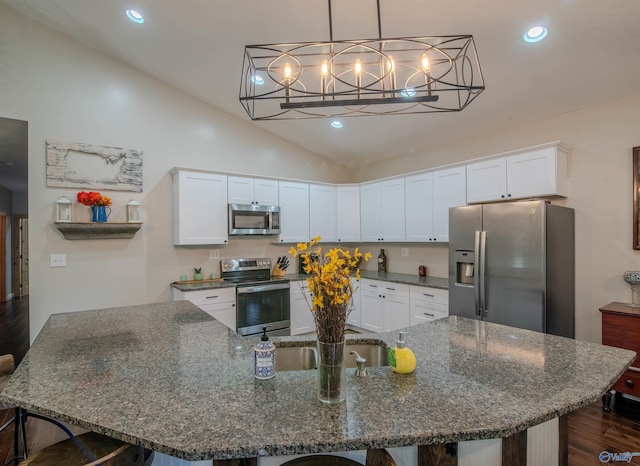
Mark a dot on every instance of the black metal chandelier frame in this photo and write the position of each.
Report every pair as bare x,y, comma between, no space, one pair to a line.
370,77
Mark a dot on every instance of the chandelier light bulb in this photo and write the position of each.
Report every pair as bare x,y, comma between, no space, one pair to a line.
357,68
424,63
324,69
391,66
287,72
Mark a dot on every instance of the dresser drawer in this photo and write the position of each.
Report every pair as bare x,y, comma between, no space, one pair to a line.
211,296
629,383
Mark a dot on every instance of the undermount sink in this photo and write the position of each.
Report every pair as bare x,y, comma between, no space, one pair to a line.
300,358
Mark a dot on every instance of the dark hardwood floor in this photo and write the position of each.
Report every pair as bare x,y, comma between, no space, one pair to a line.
591,430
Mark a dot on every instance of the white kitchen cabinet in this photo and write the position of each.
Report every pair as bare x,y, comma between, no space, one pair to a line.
538,172
419,207
384,306
355,315
382,213
245,190
427,304
199,208
302,320
428,199
219,303
449,190
294,212
348,213
322,207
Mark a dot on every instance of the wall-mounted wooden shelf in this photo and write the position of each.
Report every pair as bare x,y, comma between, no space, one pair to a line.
98,230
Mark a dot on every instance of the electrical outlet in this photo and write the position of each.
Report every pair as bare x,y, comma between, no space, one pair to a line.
404,252
58,260
214,254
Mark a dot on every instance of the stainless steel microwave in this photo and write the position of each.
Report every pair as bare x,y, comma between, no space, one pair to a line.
253,219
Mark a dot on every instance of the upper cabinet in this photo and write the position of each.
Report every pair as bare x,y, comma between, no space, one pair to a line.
348,213
428,199
243,190
539,172
382,215
294,212
322,208
199,208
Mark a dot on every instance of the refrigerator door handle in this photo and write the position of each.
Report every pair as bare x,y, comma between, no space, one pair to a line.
476,277
483,288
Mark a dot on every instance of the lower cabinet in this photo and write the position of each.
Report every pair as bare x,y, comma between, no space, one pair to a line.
219,303
355,316
428,304
301,316
384,306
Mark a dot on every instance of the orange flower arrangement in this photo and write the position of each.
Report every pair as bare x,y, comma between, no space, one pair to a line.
93,198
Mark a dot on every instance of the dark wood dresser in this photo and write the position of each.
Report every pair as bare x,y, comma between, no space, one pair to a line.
621,328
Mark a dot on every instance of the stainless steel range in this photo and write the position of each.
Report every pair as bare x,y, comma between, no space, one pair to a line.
260,300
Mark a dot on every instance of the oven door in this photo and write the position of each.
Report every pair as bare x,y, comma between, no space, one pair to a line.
263,305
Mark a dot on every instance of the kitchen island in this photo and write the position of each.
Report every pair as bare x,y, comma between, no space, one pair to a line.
171,378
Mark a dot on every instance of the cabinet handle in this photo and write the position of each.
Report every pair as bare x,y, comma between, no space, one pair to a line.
427,314
502,196
373,286
233,305
427,294
384,296
629,383
379,296
211,297
508,195
391,289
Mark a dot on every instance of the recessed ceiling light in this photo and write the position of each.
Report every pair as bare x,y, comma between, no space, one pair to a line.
535,34
257,79
135,16
409,92
336,124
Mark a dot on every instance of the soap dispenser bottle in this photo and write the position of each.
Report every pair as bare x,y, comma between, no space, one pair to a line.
264,357
401,358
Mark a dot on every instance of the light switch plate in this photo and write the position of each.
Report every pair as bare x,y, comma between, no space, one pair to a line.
58,260
404,252
214,254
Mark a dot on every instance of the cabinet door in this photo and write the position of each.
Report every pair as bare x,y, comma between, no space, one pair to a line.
392,210
419,207
294,212
348,210
200,208
301,317
371,312
487,180
355,316
225,313
322,207
265,191
532,173
240,190
370,212
396,312
449,190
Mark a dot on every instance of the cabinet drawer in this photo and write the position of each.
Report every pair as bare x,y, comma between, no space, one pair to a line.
423,312
298,287
629,383
622,331
212,296
388,288
433,295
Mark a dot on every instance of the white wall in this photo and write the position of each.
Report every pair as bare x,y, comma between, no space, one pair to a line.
68,92
600,191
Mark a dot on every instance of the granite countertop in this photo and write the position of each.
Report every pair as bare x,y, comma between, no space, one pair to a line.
171,378
407,279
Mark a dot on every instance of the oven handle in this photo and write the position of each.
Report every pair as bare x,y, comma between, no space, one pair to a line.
260,288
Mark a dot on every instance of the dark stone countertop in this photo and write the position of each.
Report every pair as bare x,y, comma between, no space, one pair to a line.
171,378
407,279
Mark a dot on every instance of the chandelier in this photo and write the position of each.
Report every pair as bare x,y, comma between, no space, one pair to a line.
367,77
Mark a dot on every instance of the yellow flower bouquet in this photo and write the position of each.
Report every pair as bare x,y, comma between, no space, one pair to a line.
329,279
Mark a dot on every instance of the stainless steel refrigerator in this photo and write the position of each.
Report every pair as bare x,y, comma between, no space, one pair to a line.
513,263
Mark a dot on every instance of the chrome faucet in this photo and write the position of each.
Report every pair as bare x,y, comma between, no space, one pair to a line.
361,365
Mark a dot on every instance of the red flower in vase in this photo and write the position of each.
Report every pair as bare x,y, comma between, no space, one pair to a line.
93,198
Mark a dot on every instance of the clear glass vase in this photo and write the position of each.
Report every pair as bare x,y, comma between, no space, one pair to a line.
331,372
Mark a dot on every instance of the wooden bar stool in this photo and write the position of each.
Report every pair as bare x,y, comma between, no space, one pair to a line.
7,367
377,457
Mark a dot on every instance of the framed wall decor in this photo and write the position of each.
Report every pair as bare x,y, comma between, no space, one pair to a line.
636,200
88,166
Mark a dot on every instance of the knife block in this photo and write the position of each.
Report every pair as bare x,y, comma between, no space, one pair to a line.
276,271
